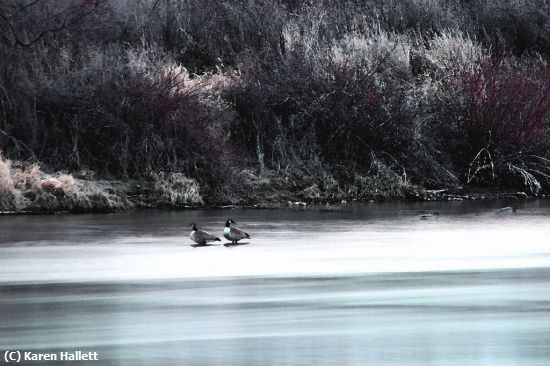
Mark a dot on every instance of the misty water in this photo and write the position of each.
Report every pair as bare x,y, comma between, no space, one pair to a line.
372,284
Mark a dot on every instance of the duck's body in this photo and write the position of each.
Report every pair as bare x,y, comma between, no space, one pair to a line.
201,237
232,233
505,210
426,216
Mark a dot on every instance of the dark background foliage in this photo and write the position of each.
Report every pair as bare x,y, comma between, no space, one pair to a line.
439,93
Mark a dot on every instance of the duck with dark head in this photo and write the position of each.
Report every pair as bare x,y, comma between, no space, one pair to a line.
232,233
201,237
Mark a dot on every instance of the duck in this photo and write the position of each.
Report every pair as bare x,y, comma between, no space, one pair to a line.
201,237
512,209
425,215
232,233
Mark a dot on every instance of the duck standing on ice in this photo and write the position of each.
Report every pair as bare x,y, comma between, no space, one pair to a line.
232,233
201,237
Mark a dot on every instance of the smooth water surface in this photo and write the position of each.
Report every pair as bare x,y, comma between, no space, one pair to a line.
369,285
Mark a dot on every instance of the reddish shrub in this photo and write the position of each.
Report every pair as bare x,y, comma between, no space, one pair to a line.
499,125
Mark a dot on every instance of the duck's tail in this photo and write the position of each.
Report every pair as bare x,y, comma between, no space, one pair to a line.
247,236
217,239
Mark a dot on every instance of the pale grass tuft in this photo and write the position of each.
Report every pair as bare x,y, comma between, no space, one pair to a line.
6,181
375,50
176,189
452,52
30,189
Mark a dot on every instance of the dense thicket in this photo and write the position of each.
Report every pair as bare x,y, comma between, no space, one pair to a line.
338,93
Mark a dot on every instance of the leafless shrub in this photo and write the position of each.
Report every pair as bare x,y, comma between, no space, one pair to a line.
498,122
324,92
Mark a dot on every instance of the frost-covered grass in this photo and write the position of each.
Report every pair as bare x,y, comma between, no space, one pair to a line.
30,189
176,190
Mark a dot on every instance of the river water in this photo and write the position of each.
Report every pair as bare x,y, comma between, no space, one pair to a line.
368,285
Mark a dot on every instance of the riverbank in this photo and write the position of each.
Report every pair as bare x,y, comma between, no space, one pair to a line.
317,103
26,189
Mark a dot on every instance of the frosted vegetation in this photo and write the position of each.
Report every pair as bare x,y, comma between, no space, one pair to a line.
29,189
238,101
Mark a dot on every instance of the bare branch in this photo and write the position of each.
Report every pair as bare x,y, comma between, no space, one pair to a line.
67,22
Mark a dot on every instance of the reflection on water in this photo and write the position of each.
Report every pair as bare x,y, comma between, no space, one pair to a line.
374,285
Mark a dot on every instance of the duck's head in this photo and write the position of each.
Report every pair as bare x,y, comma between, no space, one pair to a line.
229,222
194,226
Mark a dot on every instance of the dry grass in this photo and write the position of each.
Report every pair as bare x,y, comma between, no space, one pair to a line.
175,189
452,52
28,188
376,50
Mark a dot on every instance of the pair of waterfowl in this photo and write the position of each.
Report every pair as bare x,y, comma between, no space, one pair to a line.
232,234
